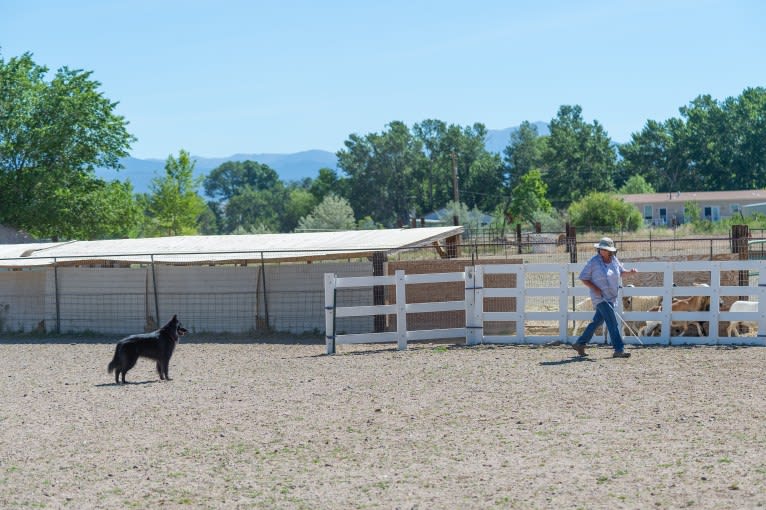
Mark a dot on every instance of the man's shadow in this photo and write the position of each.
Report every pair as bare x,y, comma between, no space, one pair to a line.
573,359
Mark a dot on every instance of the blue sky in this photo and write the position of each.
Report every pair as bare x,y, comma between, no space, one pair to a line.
260,76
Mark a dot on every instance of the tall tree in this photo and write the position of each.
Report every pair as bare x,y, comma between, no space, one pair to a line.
173,206
579,157
53,134
659,154
480,173
529,197
435,174
328,182
255,209
635,185
381,169
248,196
712,146
226,180
333,213
746,121
300,202
523,153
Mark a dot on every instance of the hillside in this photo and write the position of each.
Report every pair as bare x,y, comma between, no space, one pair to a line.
290,167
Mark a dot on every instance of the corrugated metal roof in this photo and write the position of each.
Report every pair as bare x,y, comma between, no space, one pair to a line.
696,196
226,248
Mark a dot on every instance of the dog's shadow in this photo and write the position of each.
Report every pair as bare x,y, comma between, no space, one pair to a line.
105,385
574,359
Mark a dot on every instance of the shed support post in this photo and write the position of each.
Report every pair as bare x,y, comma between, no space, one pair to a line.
379,291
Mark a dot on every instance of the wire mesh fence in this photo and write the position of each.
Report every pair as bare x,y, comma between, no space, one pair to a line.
253,300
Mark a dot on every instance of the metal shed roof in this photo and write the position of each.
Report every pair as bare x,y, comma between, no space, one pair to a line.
225,248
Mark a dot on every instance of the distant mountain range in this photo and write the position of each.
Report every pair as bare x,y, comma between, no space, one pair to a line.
290,167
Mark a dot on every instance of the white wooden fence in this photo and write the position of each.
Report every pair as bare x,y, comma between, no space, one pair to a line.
475,293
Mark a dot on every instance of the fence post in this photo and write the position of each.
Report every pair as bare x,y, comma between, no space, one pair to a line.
329,312
378,291
739,237
473,305
56,293
401,310
156,295
572,243
452,243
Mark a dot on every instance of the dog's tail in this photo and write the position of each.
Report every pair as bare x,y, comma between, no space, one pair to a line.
114,363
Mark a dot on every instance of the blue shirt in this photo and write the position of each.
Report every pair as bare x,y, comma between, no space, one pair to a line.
604,276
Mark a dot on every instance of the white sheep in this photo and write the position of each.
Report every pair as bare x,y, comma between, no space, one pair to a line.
679,328
640,304
742,306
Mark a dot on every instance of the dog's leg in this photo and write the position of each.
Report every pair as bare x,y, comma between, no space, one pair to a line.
161,370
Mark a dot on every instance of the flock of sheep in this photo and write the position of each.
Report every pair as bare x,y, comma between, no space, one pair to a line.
678,328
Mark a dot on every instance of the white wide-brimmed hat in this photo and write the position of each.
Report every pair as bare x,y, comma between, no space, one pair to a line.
606,243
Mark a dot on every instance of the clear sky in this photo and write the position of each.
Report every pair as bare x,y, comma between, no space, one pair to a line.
279,76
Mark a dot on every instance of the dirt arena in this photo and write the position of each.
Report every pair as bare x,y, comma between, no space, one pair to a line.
278,425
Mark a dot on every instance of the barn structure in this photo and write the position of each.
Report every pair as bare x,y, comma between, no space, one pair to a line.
232,284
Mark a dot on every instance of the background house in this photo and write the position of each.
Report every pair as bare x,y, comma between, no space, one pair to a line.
668,208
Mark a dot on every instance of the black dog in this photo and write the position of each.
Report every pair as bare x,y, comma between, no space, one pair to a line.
157,345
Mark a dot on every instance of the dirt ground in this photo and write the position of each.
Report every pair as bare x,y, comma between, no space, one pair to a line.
279,425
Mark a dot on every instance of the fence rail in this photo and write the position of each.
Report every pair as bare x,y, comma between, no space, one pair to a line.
476,293
252,294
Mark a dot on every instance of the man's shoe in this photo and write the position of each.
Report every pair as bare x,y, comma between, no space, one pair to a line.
580,348
621,355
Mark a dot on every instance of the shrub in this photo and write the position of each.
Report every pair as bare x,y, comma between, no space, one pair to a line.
603,210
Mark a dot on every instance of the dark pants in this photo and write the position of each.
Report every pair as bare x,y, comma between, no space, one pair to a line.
604,313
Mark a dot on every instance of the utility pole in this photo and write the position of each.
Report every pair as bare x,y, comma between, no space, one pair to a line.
455,190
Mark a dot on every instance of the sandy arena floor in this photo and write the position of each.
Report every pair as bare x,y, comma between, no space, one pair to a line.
285,426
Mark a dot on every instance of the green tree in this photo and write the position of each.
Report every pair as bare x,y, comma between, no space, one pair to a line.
248,196
53,134
300,202
579,157
435,174
635,185
173,206
381,171
746,132
524,152
479,173
94,209
692,213
712,146
333,213
603,211
659,154
529,197
328,182
252,208
228,179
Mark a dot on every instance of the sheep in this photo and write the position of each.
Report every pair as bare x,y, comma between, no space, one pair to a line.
640,304
679,328
742,306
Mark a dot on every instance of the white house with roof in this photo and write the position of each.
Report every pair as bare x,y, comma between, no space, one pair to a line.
668,208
